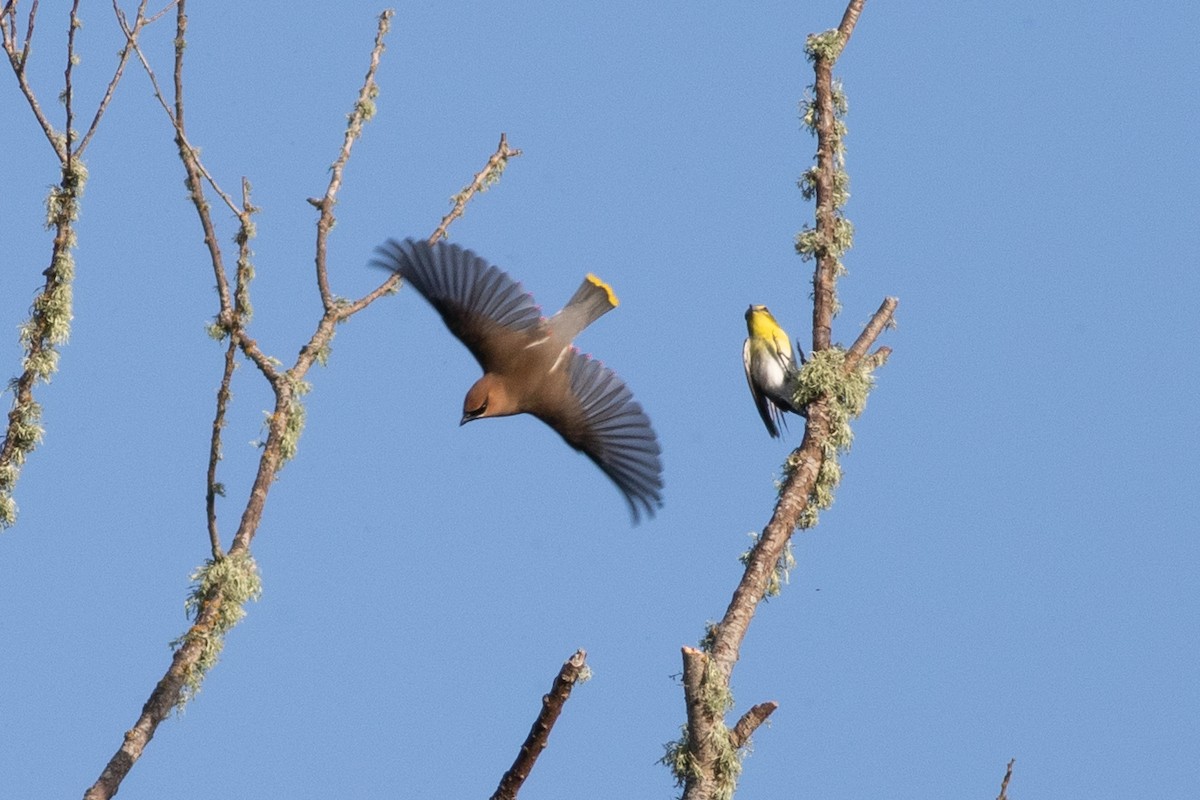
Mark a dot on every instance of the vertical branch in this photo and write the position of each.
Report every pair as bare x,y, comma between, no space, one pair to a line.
18,58
49,323
364,110
68,91
824,276
832,388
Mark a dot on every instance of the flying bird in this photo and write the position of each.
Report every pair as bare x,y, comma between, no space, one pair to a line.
530,365
771,369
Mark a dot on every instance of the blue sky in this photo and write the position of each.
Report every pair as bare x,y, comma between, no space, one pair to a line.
1009,570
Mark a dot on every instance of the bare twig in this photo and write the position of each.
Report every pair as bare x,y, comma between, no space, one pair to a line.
131,37
573,671
748,724
214,488
68,91
140,21
880,320
364,109
18,57
494,166
490,173
1007,777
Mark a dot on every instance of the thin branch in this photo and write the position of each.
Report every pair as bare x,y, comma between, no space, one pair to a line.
214,489
181,137
740,734
573,671
29,33
490,172
140,22
487,176
809,456
825,275
880,320
1007,777
364,109
19,59
68,90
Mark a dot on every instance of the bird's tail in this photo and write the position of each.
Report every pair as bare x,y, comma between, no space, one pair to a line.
593,299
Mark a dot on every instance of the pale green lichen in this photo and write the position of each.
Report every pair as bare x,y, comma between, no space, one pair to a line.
293,423
235,578
783,566
824,375
48,327
826,45
716,700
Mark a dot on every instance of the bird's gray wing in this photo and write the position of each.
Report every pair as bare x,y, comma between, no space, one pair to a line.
767,409
604,421
479,302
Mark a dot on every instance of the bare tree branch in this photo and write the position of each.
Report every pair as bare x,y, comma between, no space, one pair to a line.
1004,783
364,109
18,57
880,320
573,671
487,176
140,21
748,724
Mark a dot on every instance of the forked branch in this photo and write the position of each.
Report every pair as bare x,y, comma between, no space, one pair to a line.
49,323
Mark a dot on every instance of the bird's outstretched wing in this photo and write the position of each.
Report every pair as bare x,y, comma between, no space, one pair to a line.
478,302
609,426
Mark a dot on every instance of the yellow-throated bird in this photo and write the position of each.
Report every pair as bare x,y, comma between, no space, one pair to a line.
771,369
531,367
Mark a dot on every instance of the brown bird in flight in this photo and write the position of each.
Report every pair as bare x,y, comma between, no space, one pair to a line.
529,364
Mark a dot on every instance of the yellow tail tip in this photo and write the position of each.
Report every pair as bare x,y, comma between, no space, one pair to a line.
608,290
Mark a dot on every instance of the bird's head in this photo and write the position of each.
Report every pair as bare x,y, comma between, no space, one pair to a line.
489,397
761,324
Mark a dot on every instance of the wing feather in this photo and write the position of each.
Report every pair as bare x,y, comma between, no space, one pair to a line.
473,297
611,429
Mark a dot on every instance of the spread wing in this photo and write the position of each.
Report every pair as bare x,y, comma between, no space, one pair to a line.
479,302
609,426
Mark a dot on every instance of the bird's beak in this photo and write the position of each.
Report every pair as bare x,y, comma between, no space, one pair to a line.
466,418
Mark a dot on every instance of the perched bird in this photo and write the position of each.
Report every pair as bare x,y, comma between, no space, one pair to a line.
771,369
529,364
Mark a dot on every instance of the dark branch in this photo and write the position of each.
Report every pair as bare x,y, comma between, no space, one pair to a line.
1007,777
748,724
574,670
